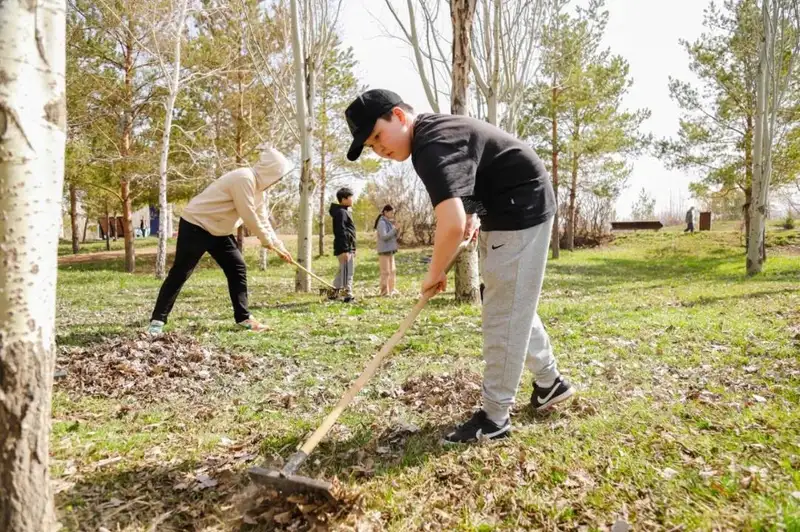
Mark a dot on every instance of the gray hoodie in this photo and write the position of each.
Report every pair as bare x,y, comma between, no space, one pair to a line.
387,235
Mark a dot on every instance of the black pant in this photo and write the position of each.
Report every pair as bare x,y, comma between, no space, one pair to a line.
689,227
193,242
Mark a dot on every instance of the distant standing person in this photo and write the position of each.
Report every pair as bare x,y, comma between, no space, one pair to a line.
344,244
387,247
689,221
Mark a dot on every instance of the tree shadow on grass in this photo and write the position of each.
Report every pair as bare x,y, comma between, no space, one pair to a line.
198,494
178,495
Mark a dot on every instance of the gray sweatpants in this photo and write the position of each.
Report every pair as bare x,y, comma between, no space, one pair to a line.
513,264
344,277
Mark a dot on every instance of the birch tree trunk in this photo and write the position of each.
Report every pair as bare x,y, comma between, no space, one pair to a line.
573,190
762,140
32,137
263,256
125,149
302,282
174,86
108,228
322,186
555,244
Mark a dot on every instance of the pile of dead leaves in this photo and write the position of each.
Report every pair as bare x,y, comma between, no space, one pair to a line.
266,509
151,368
445,394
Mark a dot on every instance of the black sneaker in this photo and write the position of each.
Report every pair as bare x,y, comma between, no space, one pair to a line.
477,428
544,398
348,298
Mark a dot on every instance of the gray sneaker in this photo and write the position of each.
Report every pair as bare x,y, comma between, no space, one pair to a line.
156,327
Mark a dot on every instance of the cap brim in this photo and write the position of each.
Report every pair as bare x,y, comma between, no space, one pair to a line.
357,146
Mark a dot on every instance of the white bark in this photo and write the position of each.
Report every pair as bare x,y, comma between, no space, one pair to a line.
754,262
302,281
263,257
32,137
780,37
174,86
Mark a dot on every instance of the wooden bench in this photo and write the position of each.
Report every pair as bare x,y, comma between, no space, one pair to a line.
652,225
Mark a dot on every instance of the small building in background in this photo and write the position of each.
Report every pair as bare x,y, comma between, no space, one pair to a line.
705,221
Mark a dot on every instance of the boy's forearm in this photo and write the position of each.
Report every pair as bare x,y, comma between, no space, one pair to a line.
451,222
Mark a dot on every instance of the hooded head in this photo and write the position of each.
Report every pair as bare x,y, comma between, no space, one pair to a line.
271,167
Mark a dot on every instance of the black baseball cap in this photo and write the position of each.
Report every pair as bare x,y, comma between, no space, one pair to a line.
364,112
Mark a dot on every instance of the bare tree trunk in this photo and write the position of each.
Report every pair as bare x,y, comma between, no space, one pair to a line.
127,228
33,133
302,282
748,202
570,233
240,160
263,256
761,139
127,130
85,227
174,86
748,171
73,216
322,185
240,238
554,239
461,14
322,174
108,229
467,279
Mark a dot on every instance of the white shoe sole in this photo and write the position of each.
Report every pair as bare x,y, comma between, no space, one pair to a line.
557,399
499,435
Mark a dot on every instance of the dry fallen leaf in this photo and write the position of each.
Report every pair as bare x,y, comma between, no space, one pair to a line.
205,481
668,473
108,461
620,526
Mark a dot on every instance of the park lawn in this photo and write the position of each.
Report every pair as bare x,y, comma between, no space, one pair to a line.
688,414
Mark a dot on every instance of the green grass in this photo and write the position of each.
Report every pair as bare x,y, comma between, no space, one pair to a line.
687,418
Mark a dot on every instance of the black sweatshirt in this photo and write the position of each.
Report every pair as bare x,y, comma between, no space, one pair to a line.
344,230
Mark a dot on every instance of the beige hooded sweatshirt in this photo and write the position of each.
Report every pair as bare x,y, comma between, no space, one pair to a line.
238,196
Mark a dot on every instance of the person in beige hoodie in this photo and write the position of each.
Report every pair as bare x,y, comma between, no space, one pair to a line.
208,224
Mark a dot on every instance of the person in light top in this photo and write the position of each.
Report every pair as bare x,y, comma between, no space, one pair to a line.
209,223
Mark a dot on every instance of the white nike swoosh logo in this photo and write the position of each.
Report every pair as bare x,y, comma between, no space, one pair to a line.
547,397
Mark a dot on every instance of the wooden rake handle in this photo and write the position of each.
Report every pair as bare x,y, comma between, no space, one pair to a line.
311,443
309,272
